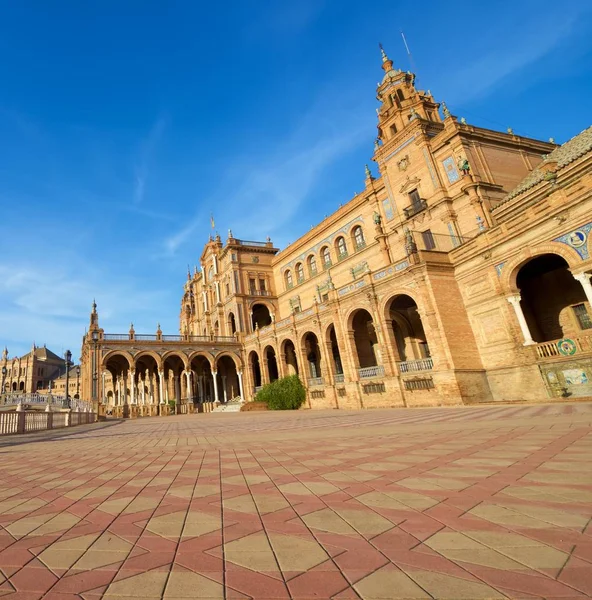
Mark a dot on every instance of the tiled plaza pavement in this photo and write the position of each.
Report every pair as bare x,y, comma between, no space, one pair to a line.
483,502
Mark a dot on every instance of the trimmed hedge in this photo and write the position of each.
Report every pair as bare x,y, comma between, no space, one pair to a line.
287,393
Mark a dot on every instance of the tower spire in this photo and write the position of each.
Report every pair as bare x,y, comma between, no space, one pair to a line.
387,63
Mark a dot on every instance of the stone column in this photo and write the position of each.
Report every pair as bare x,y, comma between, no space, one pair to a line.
214,375
161,387
584,279
225,391
119,403
240,385
515,302
189,387
133,386
143,380
103,388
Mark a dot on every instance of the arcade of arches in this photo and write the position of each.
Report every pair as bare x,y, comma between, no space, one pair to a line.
152,381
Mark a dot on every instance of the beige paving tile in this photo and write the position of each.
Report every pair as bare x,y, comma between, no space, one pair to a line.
242,504
381,501
115,507
451,541
413,500
296,488
485,557
60,522
192,585
504,516
501,540
537,557
268,503
206,489
365,522
297,554
252,552
327,520
26,525
389,584
149,584
446,587
200,523
168,526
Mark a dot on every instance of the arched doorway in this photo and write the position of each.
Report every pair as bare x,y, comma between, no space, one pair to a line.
119,368
148,387
552,300
408,331
227,379
255,367
312,353
272,367
365,339
231,323
173,367
335,354
290,359
201,380
261,317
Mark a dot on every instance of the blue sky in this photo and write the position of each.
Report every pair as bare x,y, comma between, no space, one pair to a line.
124,123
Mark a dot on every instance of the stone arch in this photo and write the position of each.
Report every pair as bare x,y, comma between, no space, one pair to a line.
237,359
207,355
385,304
365,337
288,356
357,236
113,353
255,367
260,317
311,350
405,330
178,354
151,353
271,361
349,317
510,270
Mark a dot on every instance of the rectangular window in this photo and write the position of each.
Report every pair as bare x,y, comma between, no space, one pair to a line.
415,199
228,289
428,239
252,286
584,320
262,285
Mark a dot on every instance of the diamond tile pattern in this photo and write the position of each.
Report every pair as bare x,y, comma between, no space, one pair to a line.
467,502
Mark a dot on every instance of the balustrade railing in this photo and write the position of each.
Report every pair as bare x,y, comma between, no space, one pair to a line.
369,372
146,337
421,364
565,347
313,381
116,337
21,421
339,378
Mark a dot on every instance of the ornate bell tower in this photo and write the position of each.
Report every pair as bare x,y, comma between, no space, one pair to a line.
402,103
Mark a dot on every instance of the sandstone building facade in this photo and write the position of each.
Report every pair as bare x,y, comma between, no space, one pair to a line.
460,274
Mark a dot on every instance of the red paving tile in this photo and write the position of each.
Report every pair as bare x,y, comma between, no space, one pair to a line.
391,474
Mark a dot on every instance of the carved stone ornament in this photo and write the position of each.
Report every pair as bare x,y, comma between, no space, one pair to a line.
403,163
255,259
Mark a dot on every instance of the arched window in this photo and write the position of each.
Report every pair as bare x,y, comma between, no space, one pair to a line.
299,272
326,257
288,278
359,240
312,265
400,94
341,248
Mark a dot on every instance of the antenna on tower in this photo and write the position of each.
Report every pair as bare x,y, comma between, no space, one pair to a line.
411,62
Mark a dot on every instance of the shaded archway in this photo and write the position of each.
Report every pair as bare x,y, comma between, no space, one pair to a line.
407,328
118,366
147,382
173,367
231,323
553,302
312,352
365,338
335,354
227,379
255,367
261,317
290,360
202,383
271,361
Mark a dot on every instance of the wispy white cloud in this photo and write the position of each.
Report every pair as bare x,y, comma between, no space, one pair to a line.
265,191
508,52
147,150
50,304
